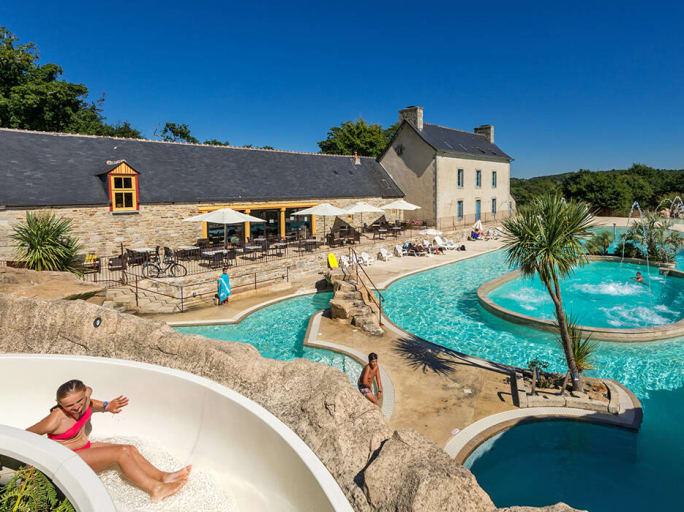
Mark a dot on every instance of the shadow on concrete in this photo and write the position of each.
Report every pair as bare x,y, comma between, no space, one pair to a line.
424,356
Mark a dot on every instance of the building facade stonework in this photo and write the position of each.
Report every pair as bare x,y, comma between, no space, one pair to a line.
102,232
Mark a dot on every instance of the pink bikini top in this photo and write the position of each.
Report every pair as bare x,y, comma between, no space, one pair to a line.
75,429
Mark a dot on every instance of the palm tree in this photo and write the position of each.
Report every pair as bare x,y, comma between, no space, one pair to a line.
545,238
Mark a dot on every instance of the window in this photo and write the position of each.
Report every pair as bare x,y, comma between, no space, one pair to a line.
460,209
494,205
460,178
478,179
123,189
493,179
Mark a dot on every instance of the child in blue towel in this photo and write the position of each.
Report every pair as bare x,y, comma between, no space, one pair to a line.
223,287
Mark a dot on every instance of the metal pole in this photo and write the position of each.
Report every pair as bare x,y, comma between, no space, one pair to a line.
182,302
136,291
255,281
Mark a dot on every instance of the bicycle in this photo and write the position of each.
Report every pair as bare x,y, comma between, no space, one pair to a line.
151,269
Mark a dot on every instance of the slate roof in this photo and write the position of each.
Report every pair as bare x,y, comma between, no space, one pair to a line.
458,141
50,169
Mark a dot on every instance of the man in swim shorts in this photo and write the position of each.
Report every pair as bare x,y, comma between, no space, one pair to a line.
370,371
639,278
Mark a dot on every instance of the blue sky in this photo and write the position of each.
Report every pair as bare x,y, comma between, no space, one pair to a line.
595,85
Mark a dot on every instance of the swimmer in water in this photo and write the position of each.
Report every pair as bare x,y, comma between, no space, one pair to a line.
67,422
639,278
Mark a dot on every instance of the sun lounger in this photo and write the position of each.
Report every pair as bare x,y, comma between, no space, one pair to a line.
366,259
384,255
445,244
399,251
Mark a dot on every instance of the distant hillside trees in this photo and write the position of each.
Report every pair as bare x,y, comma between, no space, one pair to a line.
33,96
609,192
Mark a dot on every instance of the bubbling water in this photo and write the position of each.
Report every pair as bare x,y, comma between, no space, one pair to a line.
200,492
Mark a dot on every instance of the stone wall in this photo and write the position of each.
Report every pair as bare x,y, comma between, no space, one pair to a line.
377,468
102,232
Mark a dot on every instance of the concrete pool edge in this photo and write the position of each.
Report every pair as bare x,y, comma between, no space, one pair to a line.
463,444
641,334
311,340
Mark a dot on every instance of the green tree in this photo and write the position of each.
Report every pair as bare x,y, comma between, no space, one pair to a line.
545,238
357,136
35,97
606,192
215,142
121,130
174,132
600,243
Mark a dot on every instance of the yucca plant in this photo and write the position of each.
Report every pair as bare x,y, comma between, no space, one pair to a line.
600,243
545,238
44,242
582,347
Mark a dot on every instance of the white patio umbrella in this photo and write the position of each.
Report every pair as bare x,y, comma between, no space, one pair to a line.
362,207
224,216
478,225
324,210
400,204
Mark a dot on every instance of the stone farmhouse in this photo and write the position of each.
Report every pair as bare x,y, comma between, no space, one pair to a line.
136,192
456,177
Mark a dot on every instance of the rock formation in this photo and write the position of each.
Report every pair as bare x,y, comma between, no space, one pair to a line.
351,302
376,468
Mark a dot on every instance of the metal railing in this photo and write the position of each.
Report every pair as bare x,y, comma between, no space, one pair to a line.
189,294
379,299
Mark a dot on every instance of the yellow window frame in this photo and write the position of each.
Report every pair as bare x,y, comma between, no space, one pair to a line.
124,190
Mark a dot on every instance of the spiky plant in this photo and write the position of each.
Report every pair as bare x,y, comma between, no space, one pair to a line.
582,347
600,243
545,238
44,242
653,234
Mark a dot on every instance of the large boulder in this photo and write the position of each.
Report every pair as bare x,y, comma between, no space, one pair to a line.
376,469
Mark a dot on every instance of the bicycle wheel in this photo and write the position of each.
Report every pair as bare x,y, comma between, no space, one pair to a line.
177,270
150,270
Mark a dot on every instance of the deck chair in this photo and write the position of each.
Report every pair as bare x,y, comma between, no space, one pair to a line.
366,259
399,251
444,243
384,254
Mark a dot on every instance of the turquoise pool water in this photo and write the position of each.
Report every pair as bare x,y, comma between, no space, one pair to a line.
441,305
601,294
277,332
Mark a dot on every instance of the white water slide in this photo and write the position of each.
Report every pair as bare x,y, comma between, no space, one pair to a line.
253,456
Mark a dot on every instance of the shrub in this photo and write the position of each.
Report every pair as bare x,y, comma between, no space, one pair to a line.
44,242
653,235
29,490
599,243
582,348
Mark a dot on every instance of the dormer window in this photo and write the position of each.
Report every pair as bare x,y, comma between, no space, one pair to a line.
123,189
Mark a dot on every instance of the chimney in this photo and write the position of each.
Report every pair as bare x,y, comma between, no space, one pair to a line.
487,130
413,115
357,160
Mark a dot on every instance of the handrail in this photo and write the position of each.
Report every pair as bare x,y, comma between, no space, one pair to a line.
357,263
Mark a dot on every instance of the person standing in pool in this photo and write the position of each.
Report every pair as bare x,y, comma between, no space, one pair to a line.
639,278
69,423
370,371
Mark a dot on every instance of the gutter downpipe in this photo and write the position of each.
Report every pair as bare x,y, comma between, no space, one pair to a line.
435,193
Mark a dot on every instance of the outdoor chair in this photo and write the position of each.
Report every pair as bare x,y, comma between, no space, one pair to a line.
384,255
399,251
366,259
135,258
444,244
118,262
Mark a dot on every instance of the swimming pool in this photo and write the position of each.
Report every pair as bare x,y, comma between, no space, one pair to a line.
601,294
441,305
277,331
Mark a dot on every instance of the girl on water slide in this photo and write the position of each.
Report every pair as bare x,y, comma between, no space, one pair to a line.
69,424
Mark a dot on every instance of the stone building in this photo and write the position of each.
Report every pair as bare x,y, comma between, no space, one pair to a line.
456,177
136,192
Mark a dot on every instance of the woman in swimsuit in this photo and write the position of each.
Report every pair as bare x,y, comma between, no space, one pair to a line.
69,424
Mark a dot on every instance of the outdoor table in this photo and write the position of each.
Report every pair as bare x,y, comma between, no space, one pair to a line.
380,233
397,230
253,248
143,249
310,244
214,252
188,247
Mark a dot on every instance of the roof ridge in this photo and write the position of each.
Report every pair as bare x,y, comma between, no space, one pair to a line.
65,134
455,129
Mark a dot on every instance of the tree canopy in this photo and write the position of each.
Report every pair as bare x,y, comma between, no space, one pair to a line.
357,136
609,192
33,96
